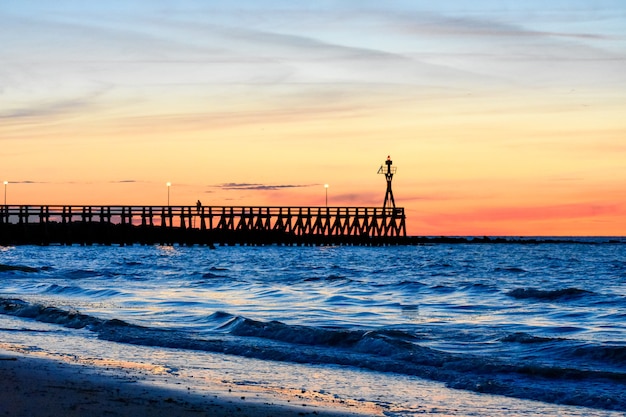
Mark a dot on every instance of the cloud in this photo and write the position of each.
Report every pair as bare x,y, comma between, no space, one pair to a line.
40,110
371,199
260,187
47,109
490,23
70,182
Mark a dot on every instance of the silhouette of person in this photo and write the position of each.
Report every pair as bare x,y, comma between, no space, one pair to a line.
198,205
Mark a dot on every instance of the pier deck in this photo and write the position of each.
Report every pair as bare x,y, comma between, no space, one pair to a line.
101,224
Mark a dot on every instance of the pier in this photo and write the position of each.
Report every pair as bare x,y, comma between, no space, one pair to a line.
200,225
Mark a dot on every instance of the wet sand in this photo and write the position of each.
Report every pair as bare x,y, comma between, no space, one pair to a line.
33,386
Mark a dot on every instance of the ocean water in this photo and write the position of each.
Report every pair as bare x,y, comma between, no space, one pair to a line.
499,329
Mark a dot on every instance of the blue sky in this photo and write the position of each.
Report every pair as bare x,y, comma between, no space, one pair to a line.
328,41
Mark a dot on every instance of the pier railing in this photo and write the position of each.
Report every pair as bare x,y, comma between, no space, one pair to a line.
148,224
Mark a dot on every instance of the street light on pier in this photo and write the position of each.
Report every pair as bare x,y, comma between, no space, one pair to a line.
326,187
169,184
5,192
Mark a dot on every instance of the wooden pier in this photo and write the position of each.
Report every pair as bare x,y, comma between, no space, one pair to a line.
192,225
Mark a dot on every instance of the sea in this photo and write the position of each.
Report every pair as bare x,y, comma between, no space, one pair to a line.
474,327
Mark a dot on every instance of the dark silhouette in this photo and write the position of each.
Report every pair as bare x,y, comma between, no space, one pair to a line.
253,225
126,225
389,201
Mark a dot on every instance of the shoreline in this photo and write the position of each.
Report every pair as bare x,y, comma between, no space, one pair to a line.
35,386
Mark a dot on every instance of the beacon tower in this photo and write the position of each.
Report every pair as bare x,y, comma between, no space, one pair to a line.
388,171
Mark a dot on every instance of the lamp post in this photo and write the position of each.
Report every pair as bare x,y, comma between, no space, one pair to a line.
169,184
5,192
326,187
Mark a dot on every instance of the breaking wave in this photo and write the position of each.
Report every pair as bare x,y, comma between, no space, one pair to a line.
382,350
548,295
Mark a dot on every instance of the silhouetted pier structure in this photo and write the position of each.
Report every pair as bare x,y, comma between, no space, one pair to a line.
200,225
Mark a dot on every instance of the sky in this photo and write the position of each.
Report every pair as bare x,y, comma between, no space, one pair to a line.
502,117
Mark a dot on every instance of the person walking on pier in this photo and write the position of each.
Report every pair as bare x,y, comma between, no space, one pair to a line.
198,205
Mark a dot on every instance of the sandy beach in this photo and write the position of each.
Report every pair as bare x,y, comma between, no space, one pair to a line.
33,386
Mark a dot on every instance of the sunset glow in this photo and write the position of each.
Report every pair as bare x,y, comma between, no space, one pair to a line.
503,118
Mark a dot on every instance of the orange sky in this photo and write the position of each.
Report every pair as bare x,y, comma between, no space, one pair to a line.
502,120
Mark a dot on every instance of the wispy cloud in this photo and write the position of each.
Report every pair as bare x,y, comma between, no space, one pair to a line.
26,182
47,109
260,187
72,182
365,198
427,23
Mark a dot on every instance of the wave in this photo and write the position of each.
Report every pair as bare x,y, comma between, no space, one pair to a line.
302,335
212,275
18,268
463,286
47,314
216,272
79,291
616,354
513,270
82,273
331,279
525,338
382,350
408,285
78,274
548,295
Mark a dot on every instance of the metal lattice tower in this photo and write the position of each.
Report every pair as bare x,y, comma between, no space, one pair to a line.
388,171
